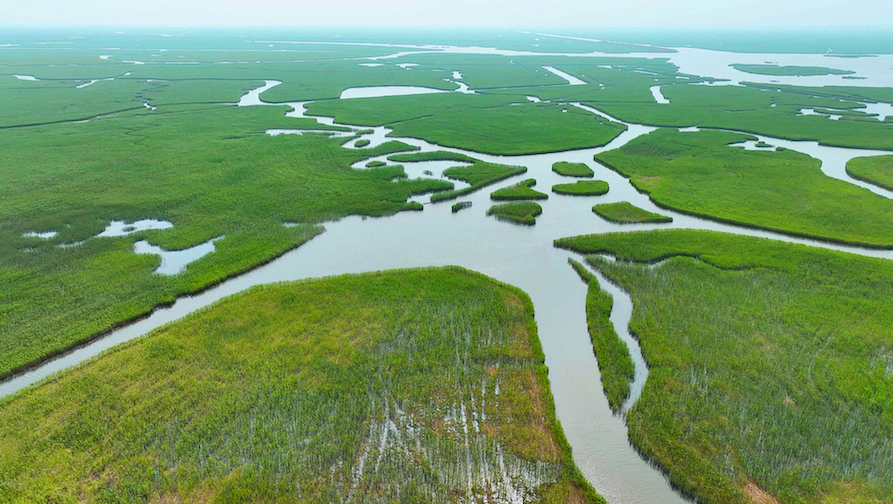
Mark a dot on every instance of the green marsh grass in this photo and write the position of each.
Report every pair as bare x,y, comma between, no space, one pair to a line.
520,212
572,169
462,205
431,156
877,170
700,174
411,386
582,188
211,171
771,367
521,191
789,70
614,362
479,175
624,212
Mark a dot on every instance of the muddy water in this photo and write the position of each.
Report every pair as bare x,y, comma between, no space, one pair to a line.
518,255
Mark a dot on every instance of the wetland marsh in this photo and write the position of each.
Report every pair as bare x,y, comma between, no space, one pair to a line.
232,181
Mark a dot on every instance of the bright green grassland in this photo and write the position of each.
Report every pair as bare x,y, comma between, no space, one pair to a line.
614,363
397,386
211,171
521,191
582,188
626,213
875,170
770,364
521,212
699,173
480,174
572,169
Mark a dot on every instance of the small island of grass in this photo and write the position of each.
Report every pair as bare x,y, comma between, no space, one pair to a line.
363,142
625,213
572,169
788,71
431,156
479,174
520,212
462,205
521,191
582,188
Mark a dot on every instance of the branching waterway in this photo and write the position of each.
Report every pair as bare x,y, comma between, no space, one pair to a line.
518,255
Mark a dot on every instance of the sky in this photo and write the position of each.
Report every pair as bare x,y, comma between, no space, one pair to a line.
711,14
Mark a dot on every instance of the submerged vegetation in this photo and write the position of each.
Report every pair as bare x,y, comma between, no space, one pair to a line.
521,191
410,386
624,212
770,364
520,212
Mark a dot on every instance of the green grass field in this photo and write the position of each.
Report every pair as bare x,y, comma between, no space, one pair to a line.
582,188
624,212
770,364
876,170
699,173
572,169
521,191
479,175
614,363
789,70
399,386
211,171
519,212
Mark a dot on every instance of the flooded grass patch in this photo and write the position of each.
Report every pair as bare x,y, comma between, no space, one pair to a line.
582,188
521,191
520,212
770,363
417,385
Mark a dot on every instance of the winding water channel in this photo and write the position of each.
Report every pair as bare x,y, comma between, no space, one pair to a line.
518,255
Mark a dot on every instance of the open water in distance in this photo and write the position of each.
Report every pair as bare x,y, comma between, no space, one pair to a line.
518,255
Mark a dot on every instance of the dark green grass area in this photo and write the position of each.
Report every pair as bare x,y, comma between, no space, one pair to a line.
462,205
375,164
614,363
211,171
431,156
384,387
582,188
876,170
520,212
479,175
362,143
770,364
699,173
521,191
759,109
790,70
572,169
481,123
624,212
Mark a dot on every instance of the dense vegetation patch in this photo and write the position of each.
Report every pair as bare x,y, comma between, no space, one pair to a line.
876,170
521,212
572,169
521,191
771,369
398,386
479,175
625,212
614,362
582,188
699,173
789,70
210,171
431,156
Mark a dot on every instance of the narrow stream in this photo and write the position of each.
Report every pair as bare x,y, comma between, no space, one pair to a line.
518,255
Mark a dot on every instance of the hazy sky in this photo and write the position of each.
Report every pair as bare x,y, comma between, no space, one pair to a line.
594,13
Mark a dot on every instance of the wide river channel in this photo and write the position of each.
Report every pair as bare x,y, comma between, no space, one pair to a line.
518,255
